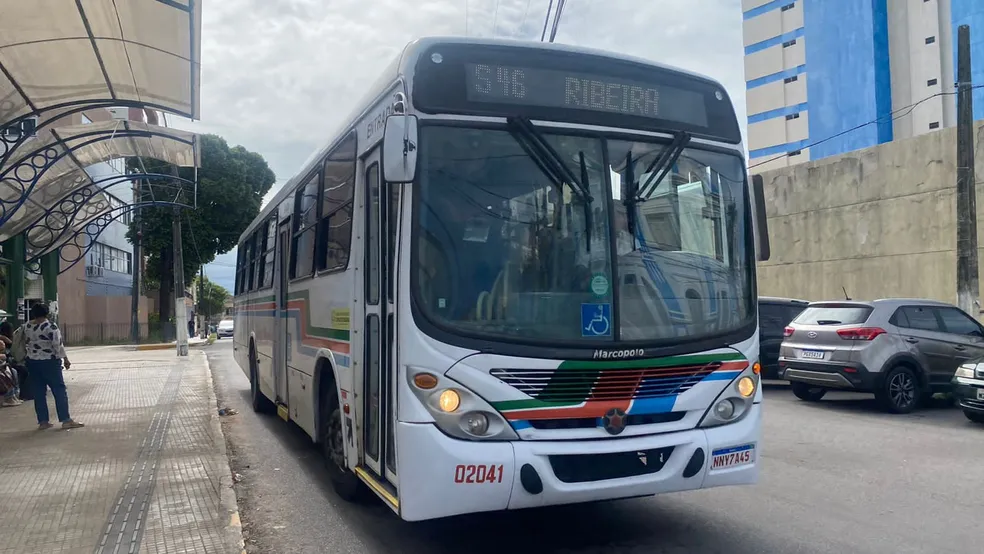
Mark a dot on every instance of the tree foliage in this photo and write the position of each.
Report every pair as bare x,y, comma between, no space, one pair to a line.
213,297
231,185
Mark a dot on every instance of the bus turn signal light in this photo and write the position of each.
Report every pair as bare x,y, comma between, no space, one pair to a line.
757,368
425,381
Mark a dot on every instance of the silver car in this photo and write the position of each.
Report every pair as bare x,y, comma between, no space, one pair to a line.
901,350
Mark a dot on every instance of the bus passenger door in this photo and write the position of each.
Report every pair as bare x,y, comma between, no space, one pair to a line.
282,317
380,325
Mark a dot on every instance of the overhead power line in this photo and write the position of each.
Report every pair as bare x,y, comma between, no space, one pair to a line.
546,21
495,20
891,116
557,16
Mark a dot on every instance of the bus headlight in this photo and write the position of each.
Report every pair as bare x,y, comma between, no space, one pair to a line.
449,401
475,423
734,402
456,410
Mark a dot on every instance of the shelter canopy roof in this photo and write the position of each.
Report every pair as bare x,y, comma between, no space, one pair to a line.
65,152
57,53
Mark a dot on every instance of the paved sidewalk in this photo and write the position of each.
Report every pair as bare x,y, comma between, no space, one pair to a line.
147,474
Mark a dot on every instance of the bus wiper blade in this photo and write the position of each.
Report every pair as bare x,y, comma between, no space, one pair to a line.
628,202
588,220
550,162
661,166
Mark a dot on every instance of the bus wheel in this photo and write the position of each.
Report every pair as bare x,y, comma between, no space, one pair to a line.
345,483
260,403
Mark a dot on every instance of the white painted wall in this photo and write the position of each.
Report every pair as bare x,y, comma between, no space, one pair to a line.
765,98
762,27
914,64
752,4
764,62
764,134
792,19
795,55
796,91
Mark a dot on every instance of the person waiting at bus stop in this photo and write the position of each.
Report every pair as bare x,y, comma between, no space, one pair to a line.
45,354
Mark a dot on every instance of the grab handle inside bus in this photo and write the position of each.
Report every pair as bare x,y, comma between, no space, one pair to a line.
400,148
762,247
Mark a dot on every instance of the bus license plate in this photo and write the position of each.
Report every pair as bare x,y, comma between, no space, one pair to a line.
733,457
980,394
812,354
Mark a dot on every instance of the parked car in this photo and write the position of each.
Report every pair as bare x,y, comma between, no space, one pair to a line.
225,329
774,315
901,350
968,389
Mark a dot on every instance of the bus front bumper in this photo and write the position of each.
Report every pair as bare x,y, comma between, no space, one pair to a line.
441,476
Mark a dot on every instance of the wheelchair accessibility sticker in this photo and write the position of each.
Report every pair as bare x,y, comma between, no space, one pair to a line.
596,320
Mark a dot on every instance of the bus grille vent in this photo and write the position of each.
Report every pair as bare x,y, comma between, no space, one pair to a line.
578,385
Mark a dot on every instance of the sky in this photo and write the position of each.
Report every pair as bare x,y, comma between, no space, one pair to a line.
279,77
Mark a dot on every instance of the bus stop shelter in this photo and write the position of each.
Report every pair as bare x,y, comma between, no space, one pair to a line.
59,58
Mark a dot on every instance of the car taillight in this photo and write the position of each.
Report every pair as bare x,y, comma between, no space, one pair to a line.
787,332
860,333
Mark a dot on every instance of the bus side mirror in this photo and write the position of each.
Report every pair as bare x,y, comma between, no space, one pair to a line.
400,149
762,248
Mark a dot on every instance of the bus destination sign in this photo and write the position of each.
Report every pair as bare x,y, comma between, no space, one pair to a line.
551,88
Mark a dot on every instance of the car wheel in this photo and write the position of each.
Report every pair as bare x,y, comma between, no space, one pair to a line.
976,417
807,392
901,391
259,402
345,483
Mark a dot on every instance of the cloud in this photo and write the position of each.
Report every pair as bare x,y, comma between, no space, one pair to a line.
281,77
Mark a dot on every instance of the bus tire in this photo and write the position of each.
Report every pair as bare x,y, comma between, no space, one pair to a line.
259,402
346,484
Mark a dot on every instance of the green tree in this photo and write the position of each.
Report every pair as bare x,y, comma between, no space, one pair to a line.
231,185
212,298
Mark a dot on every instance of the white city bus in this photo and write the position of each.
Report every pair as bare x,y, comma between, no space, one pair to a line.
520,275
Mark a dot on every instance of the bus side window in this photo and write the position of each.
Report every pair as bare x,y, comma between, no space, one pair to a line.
305,227
335,227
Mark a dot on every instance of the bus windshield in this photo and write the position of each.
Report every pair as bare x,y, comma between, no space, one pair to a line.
505,250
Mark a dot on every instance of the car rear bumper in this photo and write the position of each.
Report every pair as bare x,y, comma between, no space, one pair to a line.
838,375
438,474
965,391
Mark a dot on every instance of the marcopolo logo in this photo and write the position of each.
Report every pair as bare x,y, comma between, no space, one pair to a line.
619,354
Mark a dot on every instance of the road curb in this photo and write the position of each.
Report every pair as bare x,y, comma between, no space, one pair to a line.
145,347
228,502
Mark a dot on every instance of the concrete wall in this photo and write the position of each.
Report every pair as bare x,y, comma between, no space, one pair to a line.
879,222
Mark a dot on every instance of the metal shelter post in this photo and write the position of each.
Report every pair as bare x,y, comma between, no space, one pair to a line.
180,310
13,249
137,269
50,266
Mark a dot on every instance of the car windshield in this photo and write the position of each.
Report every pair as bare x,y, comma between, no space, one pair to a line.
503,249
226,324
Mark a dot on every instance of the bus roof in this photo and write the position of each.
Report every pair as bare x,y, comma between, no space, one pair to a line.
401,66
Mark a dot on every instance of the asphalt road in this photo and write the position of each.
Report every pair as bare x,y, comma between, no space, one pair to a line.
837,477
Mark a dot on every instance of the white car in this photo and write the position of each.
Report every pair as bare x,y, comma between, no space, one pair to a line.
225,328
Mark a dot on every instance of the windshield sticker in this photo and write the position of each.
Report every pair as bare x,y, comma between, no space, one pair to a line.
599,285
476,230
596,320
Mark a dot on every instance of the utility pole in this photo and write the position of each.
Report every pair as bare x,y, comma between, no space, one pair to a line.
968,278
135,266
181,311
